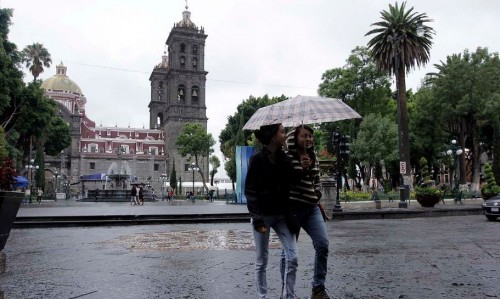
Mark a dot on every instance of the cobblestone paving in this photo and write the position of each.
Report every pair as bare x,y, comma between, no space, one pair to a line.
443,257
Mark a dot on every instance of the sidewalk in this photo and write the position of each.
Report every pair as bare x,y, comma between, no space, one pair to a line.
78,208
75,213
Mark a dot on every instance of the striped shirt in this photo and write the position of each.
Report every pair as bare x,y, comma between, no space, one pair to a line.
309,187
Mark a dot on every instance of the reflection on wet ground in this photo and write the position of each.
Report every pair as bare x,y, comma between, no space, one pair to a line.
193,240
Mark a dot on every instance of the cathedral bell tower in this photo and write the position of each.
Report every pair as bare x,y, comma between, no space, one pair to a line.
178,92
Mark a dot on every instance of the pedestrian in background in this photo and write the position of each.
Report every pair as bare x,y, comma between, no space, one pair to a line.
267,188
133,195
39,195
140,196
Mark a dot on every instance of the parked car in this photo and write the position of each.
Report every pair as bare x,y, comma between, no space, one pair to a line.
491,208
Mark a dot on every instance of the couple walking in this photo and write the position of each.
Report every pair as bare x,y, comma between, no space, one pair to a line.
136,196
283,193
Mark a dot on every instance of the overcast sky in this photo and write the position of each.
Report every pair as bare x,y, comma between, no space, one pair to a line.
254,47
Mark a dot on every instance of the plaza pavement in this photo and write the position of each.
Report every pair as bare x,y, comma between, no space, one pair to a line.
425,257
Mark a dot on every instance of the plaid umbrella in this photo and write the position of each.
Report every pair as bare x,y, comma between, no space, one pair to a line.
301,110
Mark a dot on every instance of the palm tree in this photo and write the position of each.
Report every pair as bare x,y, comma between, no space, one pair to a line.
401,41
36,57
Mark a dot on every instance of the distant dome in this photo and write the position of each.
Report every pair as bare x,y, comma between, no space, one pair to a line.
61,82
164,62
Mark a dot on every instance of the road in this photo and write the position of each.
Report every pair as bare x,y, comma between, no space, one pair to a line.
438,257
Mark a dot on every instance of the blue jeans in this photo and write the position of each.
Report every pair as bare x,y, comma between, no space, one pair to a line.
290,259
312,222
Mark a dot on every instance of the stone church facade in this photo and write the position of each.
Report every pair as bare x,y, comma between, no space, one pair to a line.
178,91
145,155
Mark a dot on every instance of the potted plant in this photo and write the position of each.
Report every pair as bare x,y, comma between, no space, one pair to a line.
490,188
426,194
10,201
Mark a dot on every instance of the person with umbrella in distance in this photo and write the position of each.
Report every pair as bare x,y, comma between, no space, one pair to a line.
267,188
304,200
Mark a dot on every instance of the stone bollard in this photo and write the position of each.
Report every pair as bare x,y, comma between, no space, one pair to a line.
2,263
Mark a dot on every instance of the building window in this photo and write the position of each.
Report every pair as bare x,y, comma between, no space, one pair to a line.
186,167
195,62
183,61
195,49
194,93
153,150
93,148
181,92
92,165
145,152
156,167
183,48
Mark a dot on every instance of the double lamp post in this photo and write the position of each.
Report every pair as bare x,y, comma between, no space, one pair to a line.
31,167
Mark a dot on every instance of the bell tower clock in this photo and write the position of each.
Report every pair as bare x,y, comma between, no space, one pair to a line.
178,92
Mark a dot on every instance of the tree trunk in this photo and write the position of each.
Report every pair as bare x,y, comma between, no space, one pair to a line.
403,132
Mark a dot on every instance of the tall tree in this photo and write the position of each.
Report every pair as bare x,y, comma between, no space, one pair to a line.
401,41
466,89
215,163
36,57
173,178
195,141
10,75
233,135
376,142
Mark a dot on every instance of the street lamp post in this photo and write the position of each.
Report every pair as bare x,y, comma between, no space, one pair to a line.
163,178
455,151
30,167
55,176
193,167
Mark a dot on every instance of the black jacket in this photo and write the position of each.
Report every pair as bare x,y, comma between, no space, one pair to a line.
267,185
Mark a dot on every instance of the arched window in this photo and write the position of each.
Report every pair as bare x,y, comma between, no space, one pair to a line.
182,61
183,48
195,49
181,92
195,62
195,92
159,120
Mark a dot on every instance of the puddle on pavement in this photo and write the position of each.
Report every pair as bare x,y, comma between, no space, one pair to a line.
193,240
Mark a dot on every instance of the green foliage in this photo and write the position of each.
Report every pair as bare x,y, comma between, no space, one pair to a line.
194,140
359,84
395,43
7,170
424,171
215,162
173,177
179,189
376,141
58,136
490,186
233,135
427,191
36,57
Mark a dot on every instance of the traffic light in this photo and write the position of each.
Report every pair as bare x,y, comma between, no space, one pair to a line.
336,139
344,146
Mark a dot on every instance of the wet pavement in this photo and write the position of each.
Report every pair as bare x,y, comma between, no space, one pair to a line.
438,257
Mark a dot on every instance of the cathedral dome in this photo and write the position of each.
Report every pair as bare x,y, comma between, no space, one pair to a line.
61,82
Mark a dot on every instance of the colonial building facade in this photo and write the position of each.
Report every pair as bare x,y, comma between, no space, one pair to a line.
140,155
96,151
